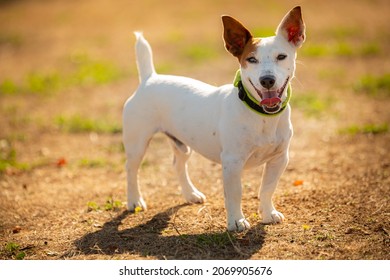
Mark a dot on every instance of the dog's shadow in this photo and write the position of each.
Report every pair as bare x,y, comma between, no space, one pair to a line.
147,240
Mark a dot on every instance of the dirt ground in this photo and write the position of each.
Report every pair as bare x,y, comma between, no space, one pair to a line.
67,67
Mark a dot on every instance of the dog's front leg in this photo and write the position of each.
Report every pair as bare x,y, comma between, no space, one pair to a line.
272,172
232,169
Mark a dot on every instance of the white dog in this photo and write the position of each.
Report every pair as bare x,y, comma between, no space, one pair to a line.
240,126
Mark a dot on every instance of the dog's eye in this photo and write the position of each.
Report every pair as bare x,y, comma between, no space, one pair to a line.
281,56
252,60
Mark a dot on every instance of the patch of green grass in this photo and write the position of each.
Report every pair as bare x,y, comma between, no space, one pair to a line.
315,50
199,53
13,250
92,72
115,148
343,49
370,49
217,239
365,129
12,247
8,87
84,71
78,124
374,85
92,163
8,158
109,205
40,83
340,49
343,32
20,255
92,206
113,205
311,104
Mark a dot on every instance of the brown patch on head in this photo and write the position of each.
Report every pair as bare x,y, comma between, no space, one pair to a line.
250,47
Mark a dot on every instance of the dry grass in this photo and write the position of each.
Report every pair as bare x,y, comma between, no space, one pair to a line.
62,181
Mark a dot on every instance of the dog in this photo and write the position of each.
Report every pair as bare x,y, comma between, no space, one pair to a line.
240,125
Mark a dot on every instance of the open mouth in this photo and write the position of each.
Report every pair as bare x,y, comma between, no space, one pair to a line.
271,99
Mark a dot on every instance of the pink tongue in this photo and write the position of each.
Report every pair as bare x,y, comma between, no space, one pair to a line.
270,102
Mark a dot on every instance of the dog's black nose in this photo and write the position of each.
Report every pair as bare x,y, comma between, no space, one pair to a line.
267,81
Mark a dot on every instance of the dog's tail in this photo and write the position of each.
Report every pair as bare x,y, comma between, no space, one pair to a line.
144,56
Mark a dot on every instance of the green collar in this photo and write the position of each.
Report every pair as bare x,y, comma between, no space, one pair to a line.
252,103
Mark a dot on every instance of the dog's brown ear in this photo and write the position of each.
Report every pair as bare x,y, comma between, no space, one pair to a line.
235,35
292,27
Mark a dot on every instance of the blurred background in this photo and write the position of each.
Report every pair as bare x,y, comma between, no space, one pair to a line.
51,47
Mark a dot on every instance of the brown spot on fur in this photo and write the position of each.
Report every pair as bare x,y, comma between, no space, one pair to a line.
250,47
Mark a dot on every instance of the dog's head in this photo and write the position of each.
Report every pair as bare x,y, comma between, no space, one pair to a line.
267,64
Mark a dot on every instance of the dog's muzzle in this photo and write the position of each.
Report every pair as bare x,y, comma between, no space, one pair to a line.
270,99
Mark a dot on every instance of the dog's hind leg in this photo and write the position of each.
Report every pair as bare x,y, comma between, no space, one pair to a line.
135,150
181,155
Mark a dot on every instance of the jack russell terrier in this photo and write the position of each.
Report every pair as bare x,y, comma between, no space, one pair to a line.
240,125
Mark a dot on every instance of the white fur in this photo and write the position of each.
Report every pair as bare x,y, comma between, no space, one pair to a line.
214,122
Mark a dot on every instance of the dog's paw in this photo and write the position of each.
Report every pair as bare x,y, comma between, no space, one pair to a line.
195,197
239,225
133,206
274,217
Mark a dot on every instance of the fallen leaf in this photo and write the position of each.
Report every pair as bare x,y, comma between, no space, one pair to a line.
61,162
298,183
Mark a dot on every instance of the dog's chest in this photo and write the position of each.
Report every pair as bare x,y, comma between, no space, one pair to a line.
267,144
264,154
